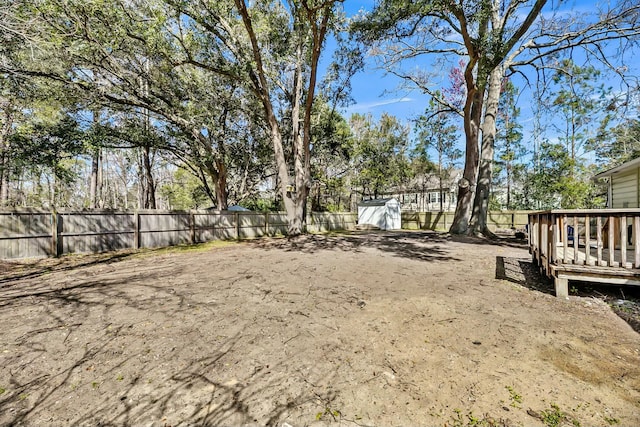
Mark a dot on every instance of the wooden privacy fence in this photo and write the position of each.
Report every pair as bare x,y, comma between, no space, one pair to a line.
28,233
441,221
38,233
595,245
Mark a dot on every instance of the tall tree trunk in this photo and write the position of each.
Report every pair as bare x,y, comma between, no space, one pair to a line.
4,152
466,185
478,223
94,190
94,180
150,200
146,184
218,175
4,174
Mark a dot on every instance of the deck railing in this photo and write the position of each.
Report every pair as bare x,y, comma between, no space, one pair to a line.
593,237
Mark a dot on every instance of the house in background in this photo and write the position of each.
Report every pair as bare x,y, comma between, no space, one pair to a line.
422,193
624,185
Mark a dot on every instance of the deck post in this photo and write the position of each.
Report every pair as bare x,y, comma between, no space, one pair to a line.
565,239
587,240
623,241
555,236
599,241
562,287
576,239
636,240
612,245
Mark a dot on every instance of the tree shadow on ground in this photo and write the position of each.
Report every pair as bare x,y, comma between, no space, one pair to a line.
499,240
414,245
159,385
623,300
11,270
523,272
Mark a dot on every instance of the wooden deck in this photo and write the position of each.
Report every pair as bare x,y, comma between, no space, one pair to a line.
600,246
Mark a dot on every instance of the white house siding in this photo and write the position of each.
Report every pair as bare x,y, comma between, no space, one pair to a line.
624,189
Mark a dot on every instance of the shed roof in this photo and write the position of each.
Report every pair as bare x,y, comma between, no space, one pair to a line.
376,202
621,168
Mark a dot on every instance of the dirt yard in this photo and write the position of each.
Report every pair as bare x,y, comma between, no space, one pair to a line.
364,329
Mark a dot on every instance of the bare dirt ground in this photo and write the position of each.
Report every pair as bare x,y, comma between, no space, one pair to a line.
363,329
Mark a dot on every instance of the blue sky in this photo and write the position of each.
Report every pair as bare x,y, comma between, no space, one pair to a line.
375,92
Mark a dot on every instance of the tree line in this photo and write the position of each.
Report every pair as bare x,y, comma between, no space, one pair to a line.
182,104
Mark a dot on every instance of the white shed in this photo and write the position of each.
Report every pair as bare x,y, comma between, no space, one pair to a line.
381,213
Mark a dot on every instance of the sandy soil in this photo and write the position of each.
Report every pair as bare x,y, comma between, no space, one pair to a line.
364,329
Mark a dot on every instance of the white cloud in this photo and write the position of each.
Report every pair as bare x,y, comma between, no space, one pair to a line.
365,106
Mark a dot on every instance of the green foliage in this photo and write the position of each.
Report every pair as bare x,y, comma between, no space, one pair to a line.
379,153
508,164
263,205
559,182
617,145
184,192
330,154
437,139
577,102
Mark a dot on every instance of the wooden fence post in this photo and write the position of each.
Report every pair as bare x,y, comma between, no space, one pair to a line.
56,231
136,230
192,227
266,223
237,218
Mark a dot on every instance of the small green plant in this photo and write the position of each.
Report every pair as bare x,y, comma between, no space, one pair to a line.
23,396
611,420
334,413
2,390
471,420
516,399
119,378
95,384
554,416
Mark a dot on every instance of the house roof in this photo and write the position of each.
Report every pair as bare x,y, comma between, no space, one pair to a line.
621,168
376,202
428,182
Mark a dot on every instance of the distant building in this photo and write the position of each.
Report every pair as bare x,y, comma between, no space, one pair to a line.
624,190
422,193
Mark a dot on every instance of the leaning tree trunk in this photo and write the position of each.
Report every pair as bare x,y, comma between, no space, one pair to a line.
466,185
478,223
